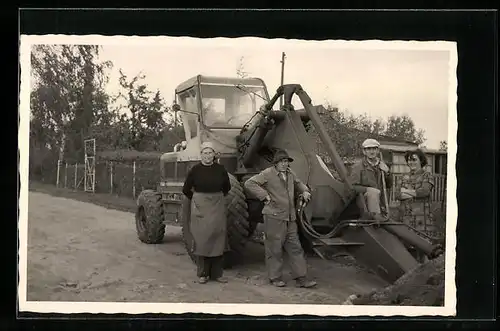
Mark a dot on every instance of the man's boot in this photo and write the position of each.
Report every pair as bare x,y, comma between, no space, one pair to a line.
278,283
303,282
221,279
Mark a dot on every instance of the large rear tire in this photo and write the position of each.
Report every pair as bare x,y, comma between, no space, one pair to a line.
149,217
185,221
238,228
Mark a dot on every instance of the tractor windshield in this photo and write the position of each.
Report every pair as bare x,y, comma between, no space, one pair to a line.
230,106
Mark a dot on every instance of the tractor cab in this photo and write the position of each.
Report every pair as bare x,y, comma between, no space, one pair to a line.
212,109
217,108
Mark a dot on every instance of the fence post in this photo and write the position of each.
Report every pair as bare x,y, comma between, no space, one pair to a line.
391,192
66,175
58,172
133,180
76,175
111,176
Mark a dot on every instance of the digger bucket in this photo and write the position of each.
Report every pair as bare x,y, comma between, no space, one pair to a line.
410,237
381,251
382,248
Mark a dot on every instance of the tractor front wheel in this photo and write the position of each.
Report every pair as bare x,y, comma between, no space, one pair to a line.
149,217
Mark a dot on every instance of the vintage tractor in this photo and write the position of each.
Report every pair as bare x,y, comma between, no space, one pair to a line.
237,116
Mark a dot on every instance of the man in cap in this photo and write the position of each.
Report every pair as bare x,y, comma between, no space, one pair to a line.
276,186
366,177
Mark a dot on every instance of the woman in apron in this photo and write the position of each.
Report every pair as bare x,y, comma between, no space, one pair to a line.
206,185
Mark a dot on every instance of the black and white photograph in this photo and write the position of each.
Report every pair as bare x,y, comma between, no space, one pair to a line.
243,175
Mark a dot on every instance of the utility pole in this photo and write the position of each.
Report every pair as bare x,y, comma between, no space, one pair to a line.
283,56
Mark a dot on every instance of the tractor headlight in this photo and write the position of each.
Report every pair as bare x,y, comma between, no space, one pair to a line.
163,184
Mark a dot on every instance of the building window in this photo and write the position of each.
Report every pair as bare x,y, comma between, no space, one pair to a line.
430,162
440,164
399,165
437,165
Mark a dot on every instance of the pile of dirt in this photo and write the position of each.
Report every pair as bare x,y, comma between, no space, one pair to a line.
423,286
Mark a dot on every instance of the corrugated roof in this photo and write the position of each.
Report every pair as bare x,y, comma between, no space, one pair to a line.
403,148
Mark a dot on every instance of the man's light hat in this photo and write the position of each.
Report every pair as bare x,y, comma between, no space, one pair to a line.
370,143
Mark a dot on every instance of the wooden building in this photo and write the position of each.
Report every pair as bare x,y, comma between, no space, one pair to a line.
393,151
437,163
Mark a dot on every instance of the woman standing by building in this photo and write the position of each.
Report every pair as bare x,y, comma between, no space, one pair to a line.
416,188
206,185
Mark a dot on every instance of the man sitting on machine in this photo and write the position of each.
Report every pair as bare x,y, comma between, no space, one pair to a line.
368,177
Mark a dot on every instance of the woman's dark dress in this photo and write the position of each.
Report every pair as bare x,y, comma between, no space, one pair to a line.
207,186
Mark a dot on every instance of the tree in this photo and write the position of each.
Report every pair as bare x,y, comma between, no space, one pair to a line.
240,70
403,127
443,145
142,125
378,126
348,131
345,129
67,99
69,104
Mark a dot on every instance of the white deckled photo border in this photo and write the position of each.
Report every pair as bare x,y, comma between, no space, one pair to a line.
449,308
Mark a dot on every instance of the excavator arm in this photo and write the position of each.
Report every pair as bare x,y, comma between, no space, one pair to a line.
288,92
253,134
378,245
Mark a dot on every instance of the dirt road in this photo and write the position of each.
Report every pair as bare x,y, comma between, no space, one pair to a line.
79,251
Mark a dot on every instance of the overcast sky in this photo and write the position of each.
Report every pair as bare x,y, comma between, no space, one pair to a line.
378,82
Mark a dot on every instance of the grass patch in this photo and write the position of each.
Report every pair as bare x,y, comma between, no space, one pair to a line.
106,200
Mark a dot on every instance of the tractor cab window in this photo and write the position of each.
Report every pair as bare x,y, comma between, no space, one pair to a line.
214,111
188,102
229,106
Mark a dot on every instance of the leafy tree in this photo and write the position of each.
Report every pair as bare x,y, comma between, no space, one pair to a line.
343,128
68,100
443,145
240,70
378,127
348,131
403,127
146,128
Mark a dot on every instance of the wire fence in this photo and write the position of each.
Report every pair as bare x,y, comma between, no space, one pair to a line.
118,178
129,178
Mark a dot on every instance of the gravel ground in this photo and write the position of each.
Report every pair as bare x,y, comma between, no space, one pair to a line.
81,251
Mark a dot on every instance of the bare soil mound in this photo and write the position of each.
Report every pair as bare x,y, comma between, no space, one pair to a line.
422,286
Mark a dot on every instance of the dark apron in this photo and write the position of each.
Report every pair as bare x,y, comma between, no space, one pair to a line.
209,224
